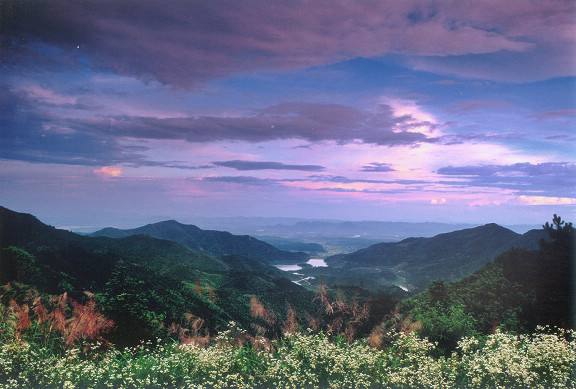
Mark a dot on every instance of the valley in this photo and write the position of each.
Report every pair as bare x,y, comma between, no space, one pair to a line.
301,279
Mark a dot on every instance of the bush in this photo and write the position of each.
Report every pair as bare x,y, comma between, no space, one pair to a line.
545,359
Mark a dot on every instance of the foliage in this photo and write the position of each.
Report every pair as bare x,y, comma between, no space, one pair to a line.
142,283
518,291
19,265
545,359
446,325
60,345
417,262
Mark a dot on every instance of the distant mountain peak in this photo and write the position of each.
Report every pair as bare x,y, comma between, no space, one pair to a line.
210,241
170,221
488,228
446,256
493,227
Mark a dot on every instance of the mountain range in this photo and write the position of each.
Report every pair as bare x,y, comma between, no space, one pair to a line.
148,277
518,291
208,241
140,281
308,228
416,262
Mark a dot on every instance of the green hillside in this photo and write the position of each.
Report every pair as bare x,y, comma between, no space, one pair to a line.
142,283
208,241
416,262
520,290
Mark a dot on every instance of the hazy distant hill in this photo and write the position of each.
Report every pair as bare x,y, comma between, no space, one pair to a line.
140,281
311,229
418,261
381,230
293,245
213,242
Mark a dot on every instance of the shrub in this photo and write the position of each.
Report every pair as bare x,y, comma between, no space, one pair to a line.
545,359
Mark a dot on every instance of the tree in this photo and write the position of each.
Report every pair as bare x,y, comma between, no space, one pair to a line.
555,292
19,265
438,293
561,235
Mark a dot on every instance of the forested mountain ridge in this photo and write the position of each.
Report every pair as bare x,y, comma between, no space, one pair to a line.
208,241
448,256
518,291
141,282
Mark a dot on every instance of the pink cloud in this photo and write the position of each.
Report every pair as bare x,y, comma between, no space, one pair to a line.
546,200
485,202
109,171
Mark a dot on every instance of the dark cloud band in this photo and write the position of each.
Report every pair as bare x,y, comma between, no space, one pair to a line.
184,43
266,165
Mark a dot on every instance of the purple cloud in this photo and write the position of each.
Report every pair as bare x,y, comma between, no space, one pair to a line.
466,106
242,180
266,165
31,134
545,179
549,178
347,180
307,121
547,27
558,114
515,170
184,43
251,180
367,191
34,130
377,167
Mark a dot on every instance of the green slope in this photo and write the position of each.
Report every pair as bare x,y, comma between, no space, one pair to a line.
518,291
143,283
415,262
209,241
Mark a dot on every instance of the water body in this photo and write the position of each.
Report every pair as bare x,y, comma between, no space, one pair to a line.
317,262
314,262
289,267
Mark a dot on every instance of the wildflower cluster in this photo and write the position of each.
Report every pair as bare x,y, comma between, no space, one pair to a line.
545,359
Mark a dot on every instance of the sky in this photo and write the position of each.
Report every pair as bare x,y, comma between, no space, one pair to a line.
122,112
